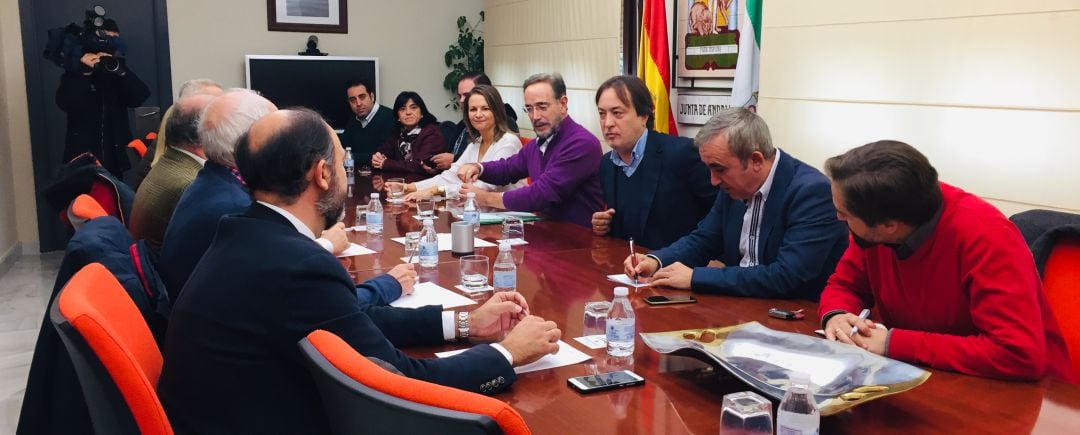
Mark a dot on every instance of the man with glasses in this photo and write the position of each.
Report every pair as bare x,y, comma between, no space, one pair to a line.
563,162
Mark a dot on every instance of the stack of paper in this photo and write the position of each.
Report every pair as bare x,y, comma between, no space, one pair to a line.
429,293
565,356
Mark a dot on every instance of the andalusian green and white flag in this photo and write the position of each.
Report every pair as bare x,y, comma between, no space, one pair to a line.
744,92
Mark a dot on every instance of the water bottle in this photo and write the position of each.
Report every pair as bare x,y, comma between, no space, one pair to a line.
470,213
798,413
374,215
620,325
505,275
349,163
429,244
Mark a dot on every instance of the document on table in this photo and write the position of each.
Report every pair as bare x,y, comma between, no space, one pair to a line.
445,245
428,293
593,341
566,355
355,249
621,278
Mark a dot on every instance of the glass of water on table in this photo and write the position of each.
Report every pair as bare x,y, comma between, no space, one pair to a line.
396,190
474,272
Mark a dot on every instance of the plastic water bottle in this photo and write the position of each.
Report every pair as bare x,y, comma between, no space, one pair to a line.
620,325
374,215
429,244
798,413
349,164
505,275
470,213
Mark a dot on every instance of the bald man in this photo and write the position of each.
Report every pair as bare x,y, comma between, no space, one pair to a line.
161,189
232,364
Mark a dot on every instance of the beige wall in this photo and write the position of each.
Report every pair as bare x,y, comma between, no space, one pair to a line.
210,39
17,206
988,90
579,39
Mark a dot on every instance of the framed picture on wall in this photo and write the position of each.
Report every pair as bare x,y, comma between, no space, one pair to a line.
706,38
309,16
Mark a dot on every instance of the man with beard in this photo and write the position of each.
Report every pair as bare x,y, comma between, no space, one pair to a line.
945,270
774,229
563,162
232,364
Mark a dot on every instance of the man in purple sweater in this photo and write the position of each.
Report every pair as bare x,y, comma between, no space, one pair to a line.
563,162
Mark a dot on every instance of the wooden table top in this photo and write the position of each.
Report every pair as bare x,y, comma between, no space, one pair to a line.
565,266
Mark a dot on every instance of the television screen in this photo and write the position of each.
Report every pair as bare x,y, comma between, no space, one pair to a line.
315,82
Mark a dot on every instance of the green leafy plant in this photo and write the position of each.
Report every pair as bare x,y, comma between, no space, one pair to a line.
465,55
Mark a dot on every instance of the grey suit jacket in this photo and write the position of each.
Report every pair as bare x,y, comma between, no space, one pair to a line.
158,194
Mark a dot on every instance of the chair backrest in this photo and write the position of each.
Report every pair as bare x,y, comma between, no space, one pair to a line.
1061,279
82,209
113,351
360,396
138,146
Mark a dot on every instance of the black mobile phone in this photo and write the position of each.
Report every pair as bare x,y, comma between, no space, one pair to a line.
668,300
605,381
430,162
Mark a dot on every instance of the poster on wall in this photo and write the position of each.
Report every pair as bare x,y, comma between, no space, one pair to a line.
310,16
707,38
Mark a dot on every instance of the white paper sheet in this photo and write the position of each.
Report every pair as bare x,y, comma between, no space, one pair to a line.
621,278
428,293
415,260
355,249
445,245
432,217
566,355
594,342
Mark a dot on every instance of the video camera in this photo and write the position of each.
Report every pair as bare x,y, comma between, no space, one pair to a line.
67,45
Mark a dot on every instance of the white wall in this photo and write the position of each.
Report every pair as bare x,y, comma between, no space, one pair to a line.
210,39
17,205
988,90
579,39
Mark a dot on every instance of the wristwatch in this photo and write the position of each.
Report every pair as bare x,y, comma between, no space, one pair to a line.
441,190
463,325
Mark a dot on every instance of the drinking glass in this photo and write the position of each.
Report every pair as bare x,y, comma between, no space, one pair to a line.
425,208
396,188
746,413
513,229
364,170
474,271
596,317
452,191
412,244
361,215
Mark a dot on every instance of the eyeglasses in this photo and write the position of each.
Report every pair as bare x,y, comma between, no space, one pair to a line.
543,107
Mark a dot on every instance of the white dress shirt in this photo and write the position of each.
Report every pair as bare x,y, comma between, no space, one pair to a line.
751,227
371,115
506,146
202,161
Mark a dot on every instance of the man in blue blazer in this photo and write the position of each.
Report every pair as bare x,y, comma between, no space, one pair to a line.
232,360
775,231
218,190
656,188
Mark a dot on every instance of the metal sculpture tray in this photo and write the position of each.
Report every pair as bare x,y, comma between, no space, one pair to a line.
842,375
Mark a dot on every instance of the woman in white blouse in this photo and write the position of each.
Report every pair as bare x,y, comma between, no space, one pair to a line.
491,140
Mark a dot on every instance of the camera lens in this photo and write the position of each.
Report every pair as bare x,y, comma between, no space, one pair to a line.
109,64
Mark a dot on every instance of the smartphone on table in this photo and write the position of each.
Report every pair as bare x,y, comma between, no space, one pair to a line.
670,299
605,381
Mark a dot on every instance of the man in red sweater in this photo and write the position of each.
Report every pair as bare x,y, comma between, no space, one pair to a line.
945,270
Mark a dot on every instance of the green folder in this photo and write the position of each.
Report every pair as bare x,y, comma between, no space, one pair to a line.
497,218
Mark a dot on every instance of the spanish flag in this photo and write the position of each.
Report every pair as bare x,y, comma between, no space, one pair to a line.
653,66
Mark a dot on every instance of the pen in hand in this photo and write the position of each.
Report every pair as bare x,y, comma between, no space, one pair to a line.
633,260
862,316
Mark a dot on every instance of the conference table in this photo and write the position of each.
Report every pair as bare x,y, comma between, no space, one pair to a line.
564,266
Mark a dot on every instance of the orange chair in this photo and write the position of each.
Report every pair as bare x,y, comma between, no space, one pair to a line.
1061,279
362,397
114,354
139,146
83,209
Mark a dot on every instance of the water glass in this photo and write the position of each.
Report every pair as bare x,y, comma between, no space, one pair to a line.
396,189
425,208
746,413
361,215
364,170
474,271
412,244
513,228
596,317
453,191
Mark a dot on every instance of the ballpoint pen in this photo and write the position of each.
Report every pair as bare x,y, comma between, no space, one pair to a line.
633,260
862,316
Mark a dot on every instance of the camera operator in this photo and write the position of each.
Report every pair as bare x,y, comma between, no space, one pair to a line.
96,96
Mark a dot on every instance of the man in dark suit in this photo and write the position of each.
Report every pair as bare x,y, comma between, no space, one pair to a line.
232,363
656,188
775,230
158,194
219,190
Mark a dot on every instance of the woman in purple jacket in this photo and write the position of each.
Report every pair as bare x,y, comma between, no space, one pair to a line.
417,137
